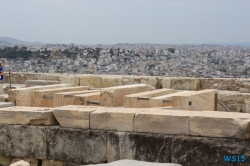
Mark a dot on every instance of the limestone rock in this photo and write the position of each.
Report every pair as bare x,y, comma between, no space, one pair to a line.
31,83
132,101
118,119
31,162
23,141
113,96
27,115
70,79
49,77
76,145
52,163
110,81
83,99
20,163
90,80
74,116
185,83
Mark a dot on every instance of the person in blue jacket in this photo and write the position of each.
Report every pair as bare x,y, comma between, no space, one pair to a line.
1,72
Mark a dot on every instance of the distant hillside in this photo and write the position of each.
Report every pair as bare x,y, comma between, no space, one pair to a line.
4,39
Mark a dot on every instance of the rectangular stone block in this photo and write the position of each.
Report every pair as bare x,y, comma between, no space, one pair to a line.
206,98
220,124
30,83
6,104
113,96
110,81
23,141
165,100
27,116
74,116
84,99
5,160
161,121
77,145
90,80
141,100
138,146
118,119
185,83
66,98
184,108
51,77
70,79
40,99
17,95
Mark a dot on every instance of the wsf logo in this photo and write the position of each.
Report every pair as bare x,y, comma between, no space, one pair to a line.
234,158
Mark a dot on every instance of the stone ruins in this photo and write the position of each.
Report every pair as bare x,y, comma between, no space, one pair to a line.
91,119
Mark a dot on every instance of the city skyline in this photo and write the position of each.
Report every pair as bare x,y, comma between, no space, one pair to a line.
111,22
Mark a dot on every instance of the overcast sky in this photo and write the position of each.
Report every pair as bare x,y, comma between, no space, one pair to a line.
126,21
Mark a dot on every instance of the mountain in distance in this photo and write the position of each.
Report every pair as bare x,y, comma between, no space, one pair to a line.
4,39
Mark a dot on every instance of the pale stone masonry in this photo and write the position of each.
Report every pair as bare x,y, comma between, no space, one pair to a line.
84,99
67,98
74,116
134,101
113,96
40,99
27,115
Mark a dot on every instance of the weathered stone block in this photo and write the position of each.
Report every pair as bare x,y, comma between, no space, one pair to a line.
50,77
118,119
138,146
84,99
90,80
74,116
70,79
113,96
39,99
6,104
18,94
220,124
132,101
27,116
66,98
77,145
5,160
23,141
160,101
31,83
110,81
206,98
190,151
185,83
20,163
161,121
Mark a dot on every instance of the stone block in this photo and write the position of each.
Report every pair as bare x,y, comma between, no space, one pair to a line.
49,77
244,90
17,95
31,83
226,96
52,163
161,101
27,116
6,104
20,163
190,151
113,96
161,121
90,80
31,162
118,119
77,145
66,98
133,101
185,83
4,98
166,83
84,99
74,116
110,81
23,141
40,99
5,160
186,108
206,98
70,79
138,146
220,124
241,97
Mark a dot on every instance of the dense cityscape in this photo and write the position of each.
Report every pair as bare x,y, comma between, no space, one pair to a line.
129,59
